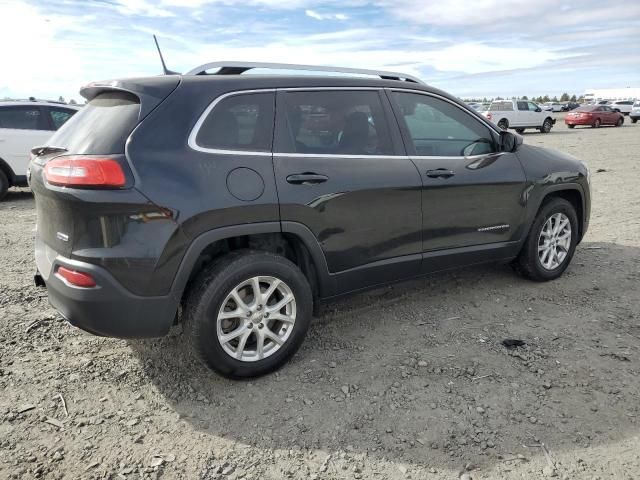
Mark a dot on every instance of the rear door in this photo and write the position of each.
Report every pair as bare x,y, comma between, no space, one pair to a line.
341,172
524,116
472,193
21,128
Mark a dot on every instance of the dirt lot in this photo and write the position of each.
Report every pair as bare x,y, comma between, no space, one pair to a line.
403,382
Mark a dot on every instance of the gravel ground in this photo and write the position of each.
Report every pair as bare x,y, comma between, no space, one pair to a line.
409,381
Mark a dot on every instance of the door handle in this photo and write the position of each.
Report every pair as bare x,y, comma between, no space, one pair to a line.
306,178
440,173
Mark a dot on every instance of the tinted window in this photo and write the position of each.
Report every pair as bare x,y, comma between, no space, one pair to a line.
438,128
523,106
102,126
240,122
501,106
22,118
59,116
336,123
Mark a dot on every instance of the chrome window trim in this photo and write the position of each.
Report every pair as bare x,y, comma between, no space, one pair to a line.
196,128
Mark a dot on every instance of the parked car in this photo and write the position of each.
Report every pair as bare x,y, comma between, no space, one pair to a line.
635,112
24,124
519,115
594,116
567,107
235,210
552,106
622,106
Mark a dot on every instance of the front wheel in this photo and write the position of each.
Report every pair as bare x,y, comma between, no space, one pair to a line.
551,242
571,126
596,124
249,313
546,125
620,122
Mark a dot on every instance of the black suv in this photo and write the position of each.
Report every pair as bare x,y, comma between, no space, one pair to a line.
235,203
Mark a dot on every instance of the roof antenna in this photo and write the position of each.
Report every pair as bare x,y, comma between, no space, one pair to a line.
164,67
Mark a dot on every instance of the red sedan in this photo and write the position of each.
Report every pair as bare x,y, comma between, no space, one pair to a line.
594,115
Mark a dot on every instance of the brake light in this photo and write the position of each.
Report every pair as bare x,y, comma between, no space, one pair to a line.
489,116
76,278
82,171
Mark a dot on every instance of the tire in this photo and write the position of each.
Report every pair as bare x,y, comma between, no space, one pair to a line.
634,120
571,126
596,124
620,122
520,130
503,124
546,125
529,262
212,296
4,184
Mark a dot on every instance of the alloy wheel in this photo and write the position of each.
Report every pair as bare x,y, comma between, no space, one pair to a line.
554,241
256,318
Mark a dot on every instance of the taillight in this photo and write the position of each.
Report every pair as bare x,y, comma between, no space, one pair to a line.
489,116
83,171
76,278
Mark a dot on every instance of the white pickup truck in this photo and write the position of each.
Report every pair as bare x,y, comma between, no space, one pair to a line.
519,114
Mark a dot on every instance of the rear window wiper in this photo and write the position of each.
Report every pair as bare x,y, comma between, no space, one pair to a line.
37,151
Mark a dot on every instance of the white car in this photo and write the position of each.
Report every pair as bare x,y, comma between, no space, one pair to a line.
24,125
519,114
552,106
635,112
623,106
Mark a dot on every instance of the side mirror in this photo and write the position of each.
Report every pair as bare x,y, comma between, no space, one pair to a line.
509,142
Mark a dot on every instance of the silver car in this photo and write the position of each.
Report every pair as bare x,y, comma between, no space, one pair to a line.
634,115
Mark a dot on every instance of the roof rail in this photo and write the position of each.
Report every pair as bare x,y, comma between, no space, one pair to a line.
236,68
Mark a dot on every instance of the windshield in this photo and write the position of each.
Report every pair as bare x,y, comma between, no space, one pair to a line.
102,126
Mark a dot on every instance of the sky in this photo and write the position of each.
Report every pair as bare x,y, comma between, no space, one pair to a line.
470,48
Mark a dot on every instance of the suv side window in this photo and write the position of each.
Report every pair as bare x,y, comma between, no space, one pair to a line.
523,106
242,122
59,116
335,122
532,106
435,127
22,118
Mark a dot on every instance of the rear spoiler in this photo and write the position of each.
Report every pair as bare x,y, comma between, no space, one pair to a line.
149,90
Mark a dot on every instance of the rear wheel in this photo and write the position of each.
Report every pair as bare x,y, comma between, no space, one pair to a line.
596,124
503,124
546,125
4,184
634,120
248,314
571,126
551,242
520,130
620,122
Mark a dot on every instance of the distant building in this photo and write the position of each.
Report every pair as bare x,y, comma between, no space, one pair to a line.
595,95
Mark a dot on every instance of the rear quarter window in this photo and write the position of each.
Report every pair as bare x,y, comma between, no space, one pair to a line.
242,122
501,107
102,126
22,118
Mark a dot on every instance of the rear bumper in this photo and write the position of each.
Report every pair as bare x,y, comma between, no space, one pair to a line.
578,121
108,309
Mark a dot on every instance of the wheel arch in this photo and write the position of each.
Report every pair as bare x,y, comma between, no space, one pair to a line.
8,171
572,193
291,240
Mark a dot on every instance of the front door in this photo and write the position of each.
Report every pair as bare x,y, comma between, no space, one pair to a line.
341,172
472,194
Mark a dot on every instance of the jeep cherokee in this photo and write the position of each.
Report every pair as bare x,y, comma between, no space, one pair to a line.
236,203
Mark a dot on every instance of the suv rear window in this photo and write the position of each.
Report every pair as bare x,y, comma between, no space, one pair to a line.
501,106
241,122
102,126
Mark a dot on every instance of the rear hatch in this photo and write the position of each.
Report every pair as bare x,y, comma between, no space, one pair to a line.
83,219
